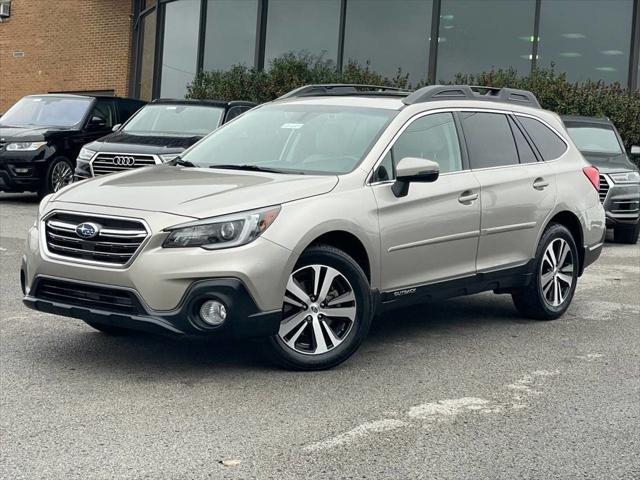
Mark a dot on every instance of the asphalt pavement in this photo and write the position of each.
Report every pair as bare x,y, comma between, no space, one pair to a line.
461,389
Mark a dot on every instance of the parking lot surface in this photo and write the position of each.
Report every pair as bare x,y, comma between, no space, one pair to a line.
451,390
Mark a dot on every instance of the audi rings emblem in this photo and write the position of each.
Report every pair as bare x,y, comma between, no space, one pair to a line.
124,161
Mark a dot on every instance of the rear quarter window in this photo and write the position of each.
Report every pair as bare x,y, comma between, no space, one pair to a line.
548,143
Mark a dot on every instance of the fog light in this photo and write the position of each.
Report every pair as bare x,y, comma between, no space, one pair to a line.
22,171
213,312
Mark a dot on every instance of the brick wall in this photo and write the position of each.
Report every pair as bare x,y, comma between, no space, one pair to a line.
68,45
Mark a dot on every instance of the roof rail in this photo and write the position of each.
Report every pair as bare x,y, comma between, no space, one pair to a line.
468,92
344,89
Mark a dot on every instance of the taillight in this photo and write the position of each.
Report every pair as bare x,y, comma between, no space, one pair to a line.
593,174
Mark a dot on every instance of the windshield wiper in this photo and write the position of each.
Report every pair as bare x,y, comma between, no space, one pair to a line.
181,162
252,168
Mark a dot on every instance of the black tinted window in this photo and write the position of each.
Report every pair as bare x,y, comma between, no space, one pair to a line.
233,112
127,108
548,143
525,152
105,111
489,140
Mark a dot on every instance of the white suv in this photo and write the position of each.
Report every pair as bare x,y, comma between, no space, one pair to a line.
302,219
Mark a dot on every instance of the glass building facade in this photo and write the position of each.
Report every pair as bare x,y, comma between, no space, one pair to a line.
427,39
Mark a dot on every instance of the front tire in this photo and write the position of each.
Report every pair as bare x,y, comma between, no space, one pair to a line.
327,311
550,292
59,174
627,234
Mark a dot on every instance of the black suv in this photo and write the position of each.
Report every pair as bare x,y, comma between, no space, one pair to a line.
156,134
41,136
601,145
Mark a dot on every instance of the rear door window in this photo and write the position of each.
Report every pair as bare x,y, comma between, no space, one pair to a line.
548,143
126,108
489,140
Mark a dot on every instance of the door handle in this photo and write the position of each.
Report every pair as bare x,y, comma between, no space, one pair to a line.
467,197
540,183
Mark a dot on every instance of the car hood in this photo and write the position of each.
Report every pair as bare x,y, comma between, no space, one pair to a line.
121,142
27,134
194,192
609,163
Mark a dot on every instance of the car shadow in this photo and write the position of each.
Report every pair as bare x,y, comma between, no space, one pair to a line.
154,356
19,198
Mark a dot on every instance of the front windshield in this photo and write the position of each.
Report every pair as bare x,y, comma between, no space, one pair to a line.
294,138
594,139
46,112
176,120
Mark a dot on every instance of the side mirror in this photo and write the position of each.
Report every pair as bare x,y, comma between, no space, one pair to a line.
116,127
414,169
97,122
635,150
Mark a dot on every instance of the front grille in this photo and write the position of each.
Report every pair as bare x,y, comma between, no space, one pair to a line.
116,243
105,163
89,296
604,188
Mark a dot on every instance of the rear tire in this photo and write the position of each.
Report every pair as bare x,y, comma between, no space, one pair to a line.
627,234
556,269
108,329
327,311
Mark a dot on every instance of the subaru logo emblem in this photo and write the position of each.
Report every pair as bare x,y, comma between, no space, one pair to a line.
124,161
87,230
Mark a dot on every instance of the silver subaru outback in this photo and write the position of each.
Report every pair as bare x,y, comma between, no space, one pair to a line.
306,217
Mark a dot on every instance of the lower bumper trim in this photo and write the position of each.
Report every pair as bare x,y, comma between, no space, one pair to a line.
244,318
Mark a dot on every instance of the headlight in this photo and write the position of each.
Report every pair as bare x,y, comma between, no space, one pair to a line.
24,146
222,232
86,154
625,177
168,157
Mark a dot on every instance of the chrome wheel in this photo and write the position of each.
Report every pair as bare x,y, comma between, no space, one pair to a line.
319,310
557,272
61,176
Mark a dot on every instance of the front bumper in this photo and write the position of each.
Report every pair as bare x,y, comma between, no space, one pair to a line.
120,307
22,171
622,205
166,281
21,174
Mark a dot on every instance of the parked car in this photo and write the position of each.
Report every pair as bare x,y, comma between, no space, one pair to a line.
157,133
41,136
601,145
304,218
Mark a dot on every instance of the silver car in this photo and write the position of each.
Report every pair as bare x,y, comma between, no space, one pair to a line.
303,219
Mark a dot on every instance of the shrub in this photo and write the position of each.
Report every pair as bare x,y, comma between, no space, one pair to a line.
553,90
284,74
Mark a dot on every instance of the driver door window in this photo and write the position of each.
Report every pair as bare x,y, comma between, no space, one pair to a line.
432,137
104,109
